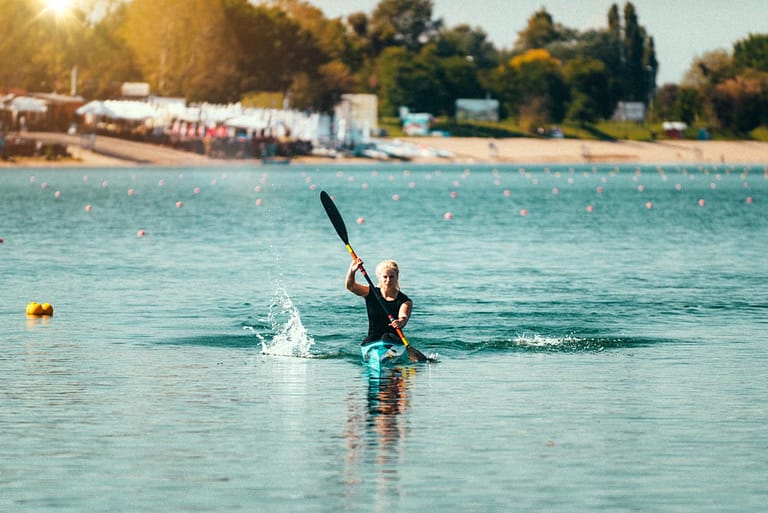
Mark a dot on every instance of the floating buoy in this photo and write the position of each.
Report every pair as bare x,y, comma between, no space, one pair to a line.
648,205
454,194
88,208
360,220
57,194
395,197
590,208
196,190
524,212
701,202
447,216
179,204
749,202
38,310
141,233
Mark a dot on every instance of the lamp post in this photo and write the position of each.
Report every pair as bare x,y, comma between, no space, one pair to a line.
649,69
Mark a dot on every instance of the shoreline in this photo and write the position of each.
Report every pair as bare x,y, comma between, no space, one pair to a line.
113,152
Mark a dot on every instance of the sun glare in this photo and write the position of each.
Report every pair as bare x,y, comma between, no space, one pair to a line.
58,6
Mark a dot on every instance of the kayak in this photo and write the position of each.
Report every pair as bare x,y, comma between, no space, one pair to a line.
381,354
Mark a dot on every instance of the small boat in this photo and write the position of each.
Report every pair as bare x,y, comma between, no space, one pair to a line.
276,160
381,354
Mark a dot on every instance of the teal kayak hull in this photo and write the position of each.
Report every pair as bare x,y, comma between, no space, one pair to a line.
379,354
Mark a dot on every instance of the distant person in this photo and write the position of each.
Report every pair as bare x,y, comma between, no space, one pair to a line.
493,150
398,304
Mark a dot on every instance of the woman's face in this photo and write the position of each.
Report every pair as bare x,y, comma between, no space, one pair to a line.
388,278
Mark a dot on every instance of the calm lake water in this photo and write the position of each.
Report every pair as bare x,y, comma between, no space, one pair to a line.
601,333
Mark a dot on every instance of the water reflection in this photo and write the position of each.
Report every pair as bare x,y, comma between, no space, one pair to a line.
375,439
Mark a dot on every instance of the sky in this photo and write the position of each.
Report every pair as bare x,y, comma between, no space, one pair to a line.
681,29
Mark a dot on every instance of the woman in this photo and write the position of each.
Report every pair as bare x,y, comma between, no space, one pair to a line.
398,304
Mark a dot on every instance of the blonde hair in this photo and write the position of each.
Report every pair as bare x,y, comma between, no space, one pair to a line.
388,264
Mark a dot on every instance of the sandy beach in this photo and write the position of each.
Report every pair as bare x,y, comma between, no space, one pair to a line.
112,152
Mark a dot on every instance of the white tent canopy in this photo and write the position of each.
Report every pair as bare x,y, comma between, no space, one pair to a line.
26,104
117,109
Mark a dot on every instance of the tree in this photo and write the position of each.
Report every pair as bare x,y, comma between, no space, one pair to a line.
538,33
394,67
38,48
738,103
405,23
709,70
688,105
109,62
635,74
271,48
469,43
666,100
751,53
532,88
181,46
587,79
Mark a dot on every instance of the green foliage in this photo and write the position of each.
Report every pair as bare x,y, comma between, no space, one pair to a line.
751,52
405,23
587,78
760,134
740,103
688,105
477,129
223,50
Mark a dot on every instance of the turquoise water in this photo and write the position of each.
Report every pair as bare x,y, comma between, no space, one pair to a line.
601,333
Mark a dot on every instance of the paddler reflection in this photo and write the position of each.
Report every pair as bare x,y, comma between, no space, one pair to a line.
375,437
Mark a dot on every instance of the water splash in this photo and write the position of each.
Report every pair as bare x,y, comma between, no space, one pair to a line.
542,341
289,337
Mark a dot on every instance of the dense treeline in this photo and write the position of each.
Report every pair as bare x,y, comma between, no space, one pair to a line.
222,50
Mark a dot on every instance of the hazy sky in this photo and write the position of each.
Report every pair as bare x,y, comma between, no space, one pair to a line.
682,29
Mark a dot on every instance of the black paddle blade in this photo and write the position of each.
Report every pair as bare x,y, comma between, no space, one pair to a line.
415,355
334,216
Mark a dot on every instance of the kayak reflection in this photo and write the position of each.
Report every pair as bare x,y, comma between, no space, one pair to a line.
375,438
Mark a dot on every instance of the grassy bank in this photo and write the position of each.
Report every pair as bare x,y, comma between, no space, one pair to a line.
603,131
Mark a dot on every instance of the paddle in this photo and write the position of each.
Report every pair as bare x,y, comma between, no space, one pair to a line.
338,223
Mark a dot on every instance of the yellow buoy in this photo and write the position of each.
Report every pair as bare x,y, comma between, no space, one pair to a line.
34,308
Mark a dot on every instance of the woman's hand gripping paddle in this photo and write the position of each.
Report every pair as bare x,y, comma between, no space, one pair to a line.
341,229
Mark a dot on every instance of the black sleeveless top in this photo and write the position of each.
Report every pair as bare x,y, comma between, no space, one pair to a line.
378,322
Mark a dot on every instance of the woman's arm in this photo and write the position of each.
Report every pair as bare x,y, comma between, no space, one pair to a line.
403,315
351,284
